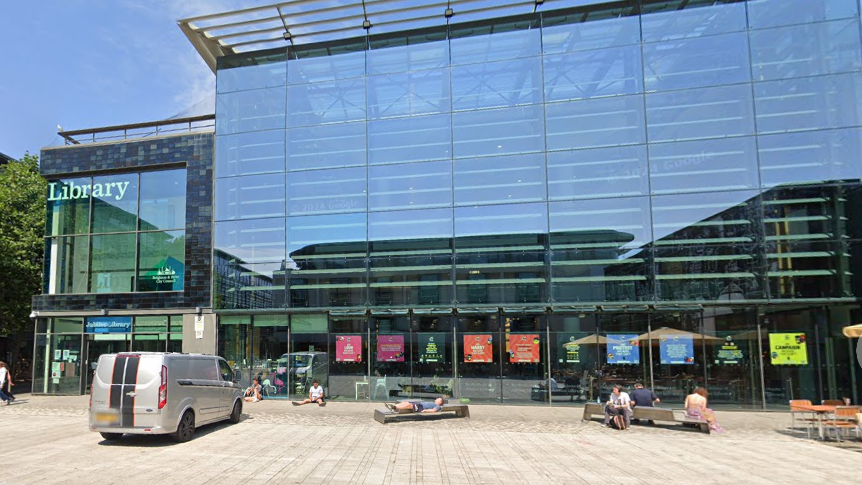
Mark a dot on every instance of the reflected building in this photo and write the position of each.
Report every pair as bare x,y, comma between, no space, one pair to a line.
474,203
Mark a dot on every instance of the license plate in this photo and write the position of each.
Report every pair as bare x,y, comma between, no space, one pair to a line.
106,419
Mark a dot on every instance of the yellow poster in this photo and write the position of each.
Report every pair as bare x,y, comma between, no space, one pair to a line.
788,349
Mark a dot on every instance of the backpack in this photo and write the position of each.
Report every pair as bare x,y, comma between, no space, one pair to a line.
618,422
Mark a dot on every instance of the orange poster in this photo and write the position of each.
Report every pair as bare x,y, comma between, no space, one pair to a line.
523,348
478,348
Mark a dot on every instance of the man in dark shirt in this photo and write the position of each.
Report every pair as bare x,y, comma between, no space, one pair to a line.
642,397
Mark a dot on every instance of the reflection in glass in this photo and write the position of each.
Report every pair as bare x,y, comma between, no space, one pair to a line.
693,22
501,219
409,139
500,180
692,63
613,223
312,65
584,271
703,166
261,109
68,207
112,263
593,74
337,145
66,260
115,203
571,33
598,173
498,131
264,70
812,156
707,218
249,153
406,52
163,200
326,191
254,196
597,122
411,224
772,13
809,103
474,45
410,186
250,241
161,261
700,113
326,102
408,94
497,84
709,272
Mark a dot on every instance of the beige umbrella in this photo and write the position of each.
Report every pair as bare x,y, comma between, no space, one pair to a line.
853,331
656,335
588,340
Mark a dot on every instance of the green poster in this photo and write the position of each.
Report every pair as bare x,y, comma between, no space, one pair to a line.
571,349
788,349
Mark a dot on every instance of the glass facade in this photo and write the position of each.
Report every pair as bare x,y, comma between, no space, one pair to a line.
116,233
655,172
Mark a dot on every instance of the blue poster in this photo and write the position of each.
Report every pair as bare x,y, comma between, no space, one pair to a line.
108,325
676,349
623,348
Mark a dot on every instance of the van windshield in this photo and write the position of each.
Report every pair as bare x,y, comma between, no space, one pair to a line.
300,360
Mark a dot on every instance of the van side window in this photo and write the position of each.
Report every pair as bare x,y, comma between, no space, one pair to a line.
226,371
202,369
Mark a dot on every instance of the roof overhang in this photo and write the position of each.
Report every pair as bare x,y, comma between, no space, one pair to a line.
299,22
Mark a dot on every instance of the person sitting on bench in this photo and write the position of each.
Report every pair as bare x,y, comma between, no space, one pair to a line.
315,394
643,397
618,405
417,407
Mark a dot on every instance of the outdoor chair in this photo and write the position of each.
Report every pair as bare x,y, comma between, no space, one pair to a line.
798,411
843,420
832,402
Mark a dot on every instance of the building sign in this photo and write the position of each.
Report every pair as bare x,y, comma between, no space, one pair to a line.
623,348
390,348
523,348
348,348
70,191
571,351
199,326
478,348
432,347
108,325
676,349
788,349
729,352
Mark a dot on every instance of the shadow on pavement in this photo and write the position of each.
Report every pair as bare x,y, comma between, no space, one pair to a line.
163,440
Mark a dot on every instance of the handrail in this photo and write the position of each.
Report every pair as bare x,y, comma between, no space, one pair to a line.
128,131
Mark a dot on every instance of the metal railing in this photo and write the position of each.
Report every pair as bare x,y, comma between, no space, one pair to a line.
139,130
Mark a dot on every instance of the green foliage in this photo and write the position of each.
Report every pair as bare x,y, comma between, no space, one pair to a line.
22,225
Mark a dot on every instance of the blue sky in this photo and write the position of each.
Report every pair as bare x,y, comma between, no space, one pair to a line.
89,63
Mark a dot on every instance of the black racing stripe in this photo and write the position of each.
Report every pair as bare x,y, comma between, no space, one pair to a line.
130,381
116,395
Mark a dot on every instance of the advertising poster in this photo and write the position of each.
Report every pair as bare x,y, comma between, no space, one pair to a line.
478,348
523,348
623,348
348,348
571,351
432,347
788,349
390,348
676,349
728,352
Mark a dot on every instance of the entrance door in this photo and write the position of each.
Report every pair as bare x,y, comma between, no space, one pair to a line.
623,361
308,358
96,345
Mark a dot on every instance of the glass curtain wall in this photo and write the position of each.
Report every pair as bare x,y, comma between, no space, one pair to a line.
646,153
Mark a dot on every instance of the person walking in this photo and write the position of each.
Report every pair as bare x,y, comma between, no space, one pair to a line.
5,383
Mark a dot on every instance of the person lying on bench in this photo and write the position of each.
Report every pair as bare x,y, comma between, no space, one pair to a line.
417,407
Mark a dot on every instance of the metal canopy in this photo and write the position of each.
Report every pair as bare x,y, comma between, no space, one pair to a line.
299,22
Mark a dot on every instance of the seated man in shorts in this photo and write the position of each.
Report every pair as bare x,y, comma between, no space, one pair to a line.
315,394
417,407
252,393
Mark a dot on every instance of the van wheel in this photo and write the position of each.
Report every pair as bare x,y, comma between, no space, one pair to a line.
111,436
186,429
236,413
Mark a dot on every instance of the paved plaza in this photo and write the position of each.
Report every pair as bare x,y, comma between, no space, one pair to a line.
46,440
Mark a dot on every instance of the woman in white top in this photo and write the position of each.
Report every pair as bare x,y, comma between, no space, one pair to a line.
695,407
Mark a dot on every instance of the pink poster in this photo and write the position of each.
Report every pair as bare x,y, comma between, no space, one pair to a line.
390,348
348,348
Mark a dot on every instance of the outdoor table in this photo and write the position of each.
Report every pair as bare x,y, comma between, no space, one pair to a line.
820,410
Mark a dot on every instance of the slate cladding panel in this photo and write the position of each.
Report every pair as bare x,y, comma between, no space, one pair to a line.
195,152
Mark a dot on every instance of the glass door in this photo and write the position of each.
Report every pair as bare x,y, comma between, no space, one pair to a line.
269,354
790,355
676,348
623,363
98,344
732,362
433,370
348,358
575,352
391,357
308,359
524,359
478,352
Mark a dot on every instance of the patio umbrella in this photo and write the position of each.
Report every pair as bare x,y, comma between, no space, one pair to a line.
588,340
656,335
853,331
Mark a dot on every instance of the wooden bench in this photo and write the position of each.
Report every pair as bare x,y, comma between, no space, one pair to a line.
460,410
649,413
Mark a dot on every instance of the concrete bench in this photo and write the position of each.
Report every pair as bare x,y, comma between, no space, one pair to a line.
383,415
649,413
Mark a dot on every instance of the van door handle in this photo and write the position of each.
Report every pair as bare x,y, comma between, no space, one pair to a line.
132,394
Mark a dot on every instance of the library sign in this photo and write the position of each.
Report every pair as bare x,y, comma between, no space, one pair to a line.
70,191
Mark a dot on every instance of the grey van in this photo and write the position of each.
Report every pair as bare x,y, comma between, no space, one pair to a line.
161,393
305,367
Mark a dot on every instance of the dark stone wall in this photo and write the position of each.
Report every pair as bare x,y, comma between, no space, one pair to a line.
195,152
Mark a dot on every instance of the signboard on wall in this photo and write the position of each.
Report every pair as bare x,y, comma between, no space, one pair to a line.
523,348
571,349
788,349
729,352
432,347
478,348
348,348
676,349
623,348
108,325
390,348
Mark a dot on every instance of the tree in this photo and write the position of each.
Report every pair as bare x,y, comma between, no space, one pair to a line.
22,225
